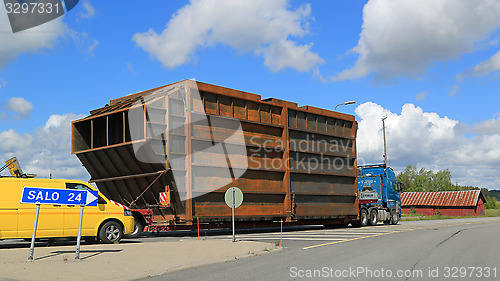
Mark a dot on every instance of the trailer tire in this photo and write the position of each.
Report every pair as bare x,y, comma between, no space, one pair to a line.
373,217
363,217
394,218
138,228
111,232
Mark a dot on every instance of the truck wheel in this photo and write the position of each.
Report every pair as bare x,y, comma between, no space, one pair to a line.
110,232
373,217
138,228
394,218
363,217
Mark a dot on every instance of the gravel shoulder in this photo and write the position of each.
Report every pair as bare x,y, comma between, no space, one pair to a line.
125,261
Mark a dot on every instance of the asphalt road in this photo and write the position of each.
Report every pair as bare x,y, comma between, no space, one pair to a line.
465,249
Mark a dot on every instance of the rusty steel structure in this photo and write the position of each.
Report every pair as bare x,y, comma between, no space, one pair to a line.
292,163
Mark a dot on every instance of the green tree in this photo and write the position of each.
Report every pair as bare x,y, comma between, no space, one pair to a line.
407,176
425,180
491,202
441,181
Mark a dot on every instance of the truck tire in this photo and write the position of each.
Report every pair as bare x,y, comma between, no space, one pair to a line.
138,228
373,217
363,217
394,218
110,232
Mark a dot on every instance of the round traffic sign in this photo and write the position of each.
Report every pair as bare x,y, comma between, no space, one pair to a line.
238,197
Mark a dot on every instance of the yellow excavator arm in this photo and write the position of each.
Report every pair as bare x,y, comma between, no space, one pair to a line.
15,169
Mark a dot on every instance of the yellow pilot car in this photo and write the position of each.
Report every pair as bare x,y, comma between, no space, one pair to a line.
106,222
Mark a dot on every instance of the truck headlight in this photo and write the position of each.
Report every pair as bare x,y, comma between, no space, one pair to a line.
127,212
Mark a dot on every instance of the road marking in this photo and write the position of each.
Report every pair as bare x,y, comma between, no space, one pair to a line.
397,231
299,236
356,233
352,239
287,238
308,235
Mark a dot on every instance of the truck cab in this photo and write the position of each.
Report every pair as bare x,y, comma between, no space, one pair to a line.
379,195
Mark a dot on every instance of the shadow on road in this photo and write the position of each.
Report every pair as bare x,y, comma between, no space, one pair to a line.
95,253
19,243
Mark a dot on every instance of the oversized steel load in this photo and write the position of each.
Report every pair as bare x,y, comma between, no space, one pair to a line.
197,140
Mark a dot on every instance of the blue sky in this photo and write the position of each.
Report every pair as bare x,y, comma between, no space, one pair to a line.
429,65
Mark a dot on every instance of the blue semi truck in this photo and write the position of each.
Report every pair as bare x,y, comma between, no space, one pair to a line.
379,195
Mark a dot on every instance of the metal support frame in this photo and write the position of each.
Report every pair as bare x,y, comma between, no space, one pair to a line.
128,177
151,184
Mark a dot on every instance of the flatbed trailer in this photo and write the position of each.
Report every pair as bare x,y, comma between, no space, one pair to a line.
190,141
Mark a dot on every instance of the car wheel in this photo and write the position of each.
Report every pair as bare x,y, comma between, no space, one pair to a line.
138,228
110,232
373,217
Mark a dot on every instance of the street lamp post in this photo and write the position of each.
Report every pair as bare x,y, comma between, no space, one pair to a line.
344,103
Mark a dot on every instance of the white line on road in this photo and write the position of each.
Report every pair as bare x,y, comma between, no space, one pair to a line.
285,238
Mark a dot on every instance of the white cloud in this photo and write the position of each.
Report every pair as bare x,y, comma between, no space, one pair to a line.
428,140
130,67
20,106
3,83
46,150
83,41
483,68
421,96
88,10
403,38
28,41
260,26
454,91
92,47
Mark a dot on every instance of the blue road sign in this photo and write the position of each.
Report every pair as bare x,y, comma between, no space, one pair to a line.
38,195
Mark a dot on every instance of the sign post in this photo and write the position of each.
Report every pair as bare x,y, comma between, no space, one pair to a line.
79,238
233,198
48,196
32,246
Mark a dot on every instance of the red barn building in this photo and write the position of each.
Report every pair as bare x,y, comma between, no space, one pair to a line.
446,203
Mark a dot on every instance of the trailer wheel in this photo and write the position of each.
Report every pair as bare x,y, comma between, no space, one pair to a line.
394,218
373,217
110,232
363,217
138,228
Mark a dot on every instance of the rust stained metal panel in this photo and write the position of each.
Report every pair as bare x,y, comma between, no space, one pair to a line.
245,210
275,180
441,198
210,178
326,210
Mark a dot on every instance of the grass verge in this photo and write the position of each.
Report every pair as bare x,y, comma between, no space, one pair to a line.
417,217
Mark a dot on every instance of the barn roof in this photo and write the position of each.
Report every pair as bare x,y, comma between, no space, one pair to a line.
466,198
